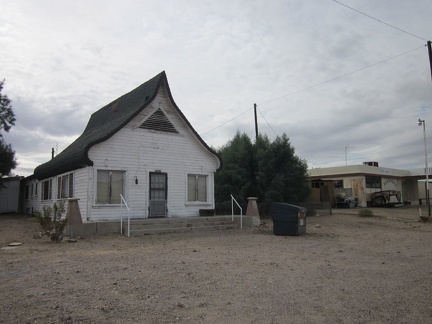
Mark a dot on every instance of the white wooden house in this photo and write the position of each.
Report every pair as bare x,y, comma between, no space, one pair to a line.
140,146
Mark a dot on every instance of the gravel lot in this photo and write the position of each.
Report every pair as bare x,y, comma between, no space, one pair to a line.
345,269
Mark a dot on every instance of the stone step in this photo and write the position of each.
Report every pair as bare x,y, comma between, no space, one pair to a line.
180,224
149,231
178,220
108,227
184,223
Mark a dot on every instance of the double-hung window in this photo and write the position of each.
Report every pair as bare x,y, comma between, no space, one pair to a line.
46,189
65,186
197,187
109,186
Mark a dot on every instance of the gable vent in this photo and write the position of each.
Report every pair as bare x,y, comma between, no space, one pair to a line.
158,122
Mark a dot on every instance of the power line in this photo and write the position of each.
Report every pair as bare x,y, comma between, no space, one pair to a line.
211,130
380,21
341,76
267,122
311,87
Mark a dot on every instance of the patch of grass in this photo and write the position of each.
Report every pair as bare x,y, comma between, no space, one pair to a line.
365,212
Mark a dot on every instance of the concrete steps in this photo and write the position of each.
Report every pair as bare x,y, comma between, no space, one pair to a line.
181,224
162,225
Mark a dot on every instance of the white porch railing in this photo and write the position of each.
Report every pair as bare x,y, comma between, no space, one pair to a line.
123,202
232,211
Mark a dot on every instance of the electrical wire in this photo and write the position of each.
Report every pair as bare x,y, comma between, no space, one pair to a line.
380,21
211,130
267,121
313,86
341,76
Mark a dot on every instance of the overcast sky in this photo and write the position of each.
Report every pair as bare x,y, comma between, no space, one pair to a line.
344,87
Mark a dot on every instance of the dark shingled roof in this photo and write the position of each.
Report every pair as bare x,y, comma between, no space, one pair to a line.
104,123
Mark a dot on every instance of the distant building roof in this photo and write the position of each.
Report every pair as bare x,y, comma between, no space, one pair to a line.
355,170
104,123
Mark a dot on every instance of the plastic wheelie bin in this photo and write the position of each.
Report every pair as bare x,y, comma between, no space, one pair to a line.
288,220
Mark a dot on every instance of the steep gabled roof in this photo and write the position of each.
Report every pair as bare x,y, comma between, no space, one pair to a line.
104,123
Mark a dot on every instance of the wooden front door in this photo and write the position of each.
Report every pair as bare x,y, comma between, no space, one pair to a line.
158,194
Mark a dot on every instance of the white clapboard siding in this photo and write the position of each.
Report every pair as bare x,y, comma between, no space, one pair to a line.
34,202
31,203
140,151
81,185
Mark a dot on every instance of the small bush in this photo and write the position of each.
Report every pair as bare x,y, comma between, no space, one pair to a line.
365,212
51,221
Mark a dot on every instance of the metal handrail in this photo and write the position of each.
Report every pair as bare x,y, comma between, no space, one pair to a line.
232,211
123,202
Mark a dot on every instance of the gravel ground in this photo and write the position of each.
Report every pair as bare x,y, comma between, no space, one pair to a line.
345,269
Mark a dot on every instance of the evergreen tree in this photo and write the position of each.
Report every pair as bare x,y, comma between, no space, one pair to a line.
7,159
234,178
270,171
7,120
7,116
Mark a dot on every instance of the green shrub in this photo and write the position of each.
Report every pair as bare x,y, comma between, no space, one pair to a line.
365,212
51,221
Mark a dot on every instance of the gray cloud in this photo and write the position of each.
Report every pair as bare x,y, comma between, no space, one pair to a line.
65,60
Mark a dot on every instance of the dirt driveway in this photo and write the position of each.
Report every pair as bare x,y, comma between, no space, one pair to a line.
345,269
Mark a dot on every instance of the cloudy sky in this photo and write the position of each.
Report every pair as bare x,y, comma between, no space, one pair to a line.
344,87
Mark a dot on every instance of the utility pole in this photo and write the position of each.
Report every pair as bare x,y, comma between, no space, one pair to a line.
424,134
256,122
346,159
346,154
423,123
430,55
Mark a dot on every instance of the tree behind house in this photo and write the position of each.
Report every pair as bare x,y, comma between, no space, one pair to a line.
7,120
270,171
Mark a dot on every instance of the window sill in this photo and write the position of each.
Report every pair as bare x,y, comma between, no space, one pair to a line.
106,205
197,203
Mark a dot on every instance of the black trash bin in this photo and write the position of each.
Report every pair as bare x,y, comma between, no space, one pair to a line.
288,220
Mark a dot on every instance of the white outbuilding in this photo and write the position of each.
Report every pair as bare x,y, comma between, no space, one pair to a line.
362,181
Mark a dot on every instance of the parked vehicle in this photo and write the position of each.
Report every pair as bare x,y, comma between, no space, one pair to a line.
385,198
345,202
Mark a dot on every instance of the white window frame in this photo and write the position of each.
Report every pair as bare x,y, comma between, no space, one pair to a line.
123,191
65,186
196,198
49,193
34,189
